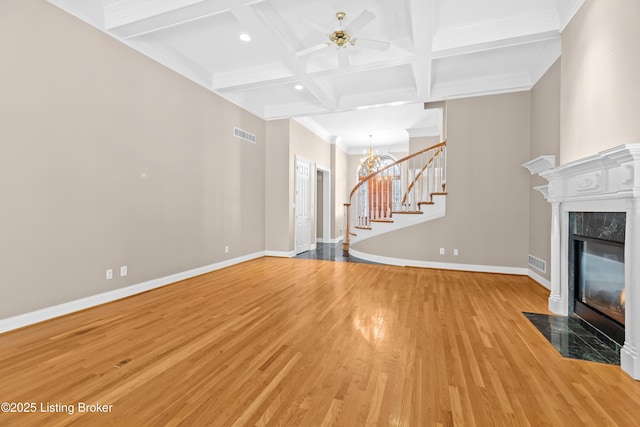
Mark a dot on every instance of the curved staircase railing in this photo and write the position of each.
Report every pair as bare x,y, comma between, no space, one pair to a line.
402,187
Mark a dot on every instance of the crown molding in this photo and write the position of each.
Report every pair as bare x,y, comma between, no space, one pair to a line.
491,85
426,131
315,128
566,10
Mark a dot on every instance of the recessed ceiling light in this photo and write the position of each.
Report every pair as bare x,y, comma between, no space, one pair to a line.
245,37
298,87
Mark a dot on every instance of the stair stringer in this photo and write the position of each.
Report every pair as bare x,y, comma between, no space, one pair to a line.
430,212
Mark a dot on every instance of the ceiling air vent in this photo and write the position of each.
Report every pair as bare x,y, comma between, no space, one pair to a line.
242,134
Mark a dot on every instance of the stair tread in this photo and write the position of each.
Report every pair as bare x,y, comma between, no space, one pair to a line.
407,212
381,220
362,228
439,193
426,203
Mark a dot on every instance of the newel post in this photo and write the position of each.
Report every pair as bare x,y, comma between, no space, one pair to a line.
347,234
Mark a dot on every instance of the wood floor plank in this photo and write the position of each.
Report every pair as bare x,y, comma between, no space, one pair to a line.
291,342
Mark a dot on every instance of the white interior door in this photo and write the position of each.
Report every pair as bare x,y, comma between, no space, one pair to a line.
303,205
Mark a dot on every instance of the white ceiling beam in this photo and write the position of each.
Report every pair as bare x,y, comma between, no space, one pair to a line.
496,44
504,28
244,81
168,19
274,22
229,82
494,84
262,29
119,13
422,15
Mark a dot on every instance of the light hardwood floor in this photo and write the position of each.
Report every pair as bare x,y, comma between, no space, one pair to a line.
294,342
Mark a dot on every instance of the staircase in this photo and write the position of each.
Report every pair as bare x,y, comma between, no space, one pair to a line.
407,192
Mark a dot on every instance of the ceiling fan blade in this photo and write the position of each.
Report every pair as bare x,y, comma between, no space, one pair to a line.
360,21
343,58
315,26
311,49
373,44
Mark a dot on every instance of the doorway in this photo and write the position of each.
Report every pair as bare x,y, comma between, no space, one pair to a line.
323,204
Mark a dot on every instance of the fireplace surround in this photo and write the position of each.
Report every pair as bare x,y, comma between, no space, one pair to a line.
608,182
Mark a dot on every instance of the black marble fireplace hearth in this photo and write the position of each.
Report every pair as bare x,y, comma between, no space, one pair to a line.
576,339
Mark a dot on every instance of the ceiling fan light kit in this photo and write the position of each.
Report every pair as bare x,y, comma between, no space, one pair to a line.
342,36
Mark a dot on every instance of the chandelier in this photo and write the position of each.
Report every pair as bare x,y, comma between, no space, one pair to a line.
371,163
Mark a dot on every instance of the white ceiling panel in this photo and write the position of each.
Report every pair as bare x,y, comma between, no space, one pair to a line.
214,42
462,13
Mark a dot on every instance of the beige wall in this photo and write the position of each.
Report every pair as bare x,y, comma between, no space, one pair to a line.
110,159
488,203
340,188
545,140
600,78
278,178
423,142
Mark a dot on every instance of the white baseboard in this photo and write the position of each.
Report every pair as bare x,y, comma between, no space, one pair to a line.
440,265
541,280
336,240
37,316
280,254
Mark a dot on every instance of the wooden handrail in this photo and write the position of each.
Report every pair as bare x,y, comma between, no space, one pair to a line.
362,180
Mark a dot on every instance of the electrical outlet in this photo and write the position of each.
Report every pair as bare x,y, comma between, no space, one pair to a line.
123,271
455,252
109,274
340,232
441,251
226,249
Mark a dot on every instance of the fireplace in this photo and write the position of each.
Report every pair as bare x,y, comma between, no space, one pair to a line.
597,264
588,252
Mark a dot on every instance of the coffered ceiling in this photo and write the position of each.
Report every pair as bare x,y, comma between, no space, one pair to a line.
434,50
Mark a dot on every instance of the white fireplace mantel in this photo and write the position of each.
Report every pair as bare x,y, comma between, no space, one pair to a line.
606,182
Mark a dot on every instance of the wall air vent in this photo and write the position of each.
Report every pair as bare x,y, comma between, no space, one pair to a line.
242,134
537,263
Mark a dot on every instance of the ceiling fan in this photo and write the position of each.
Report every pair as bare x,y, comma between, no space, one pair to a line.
341,37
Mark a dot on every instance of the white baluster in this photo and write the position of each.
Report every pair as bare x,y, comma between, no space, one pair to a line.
382,197
378,197
444,167
422,169
389,196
